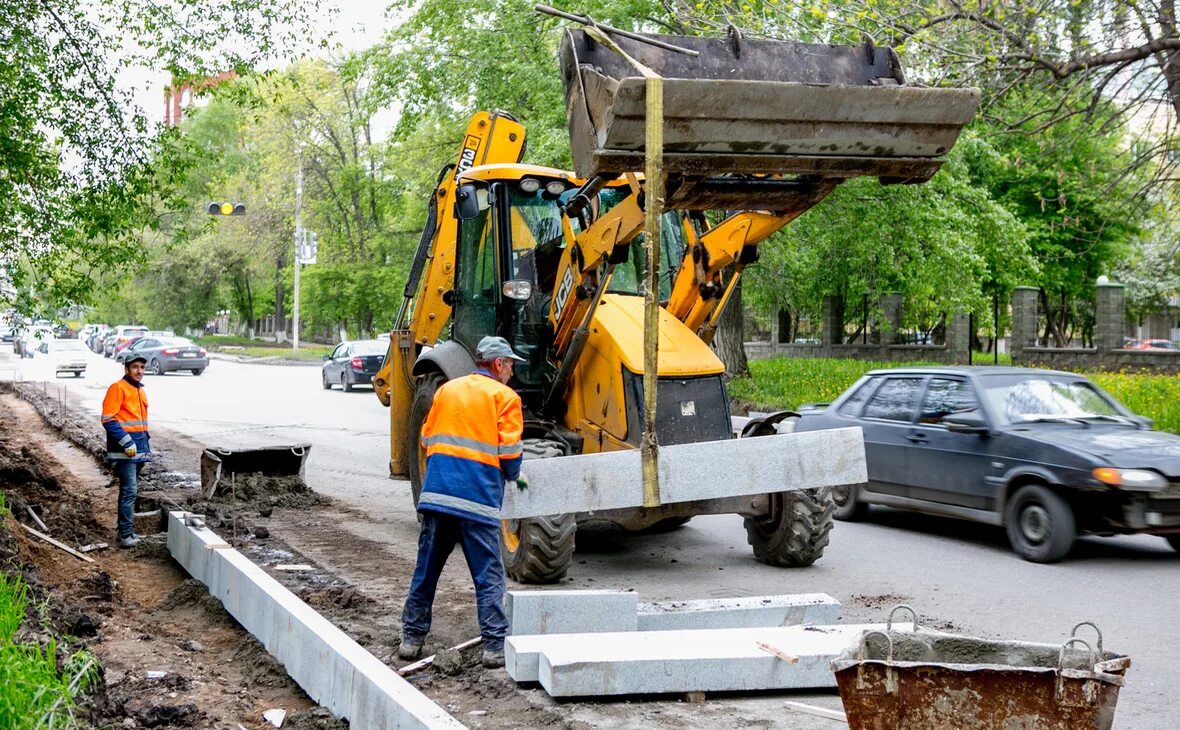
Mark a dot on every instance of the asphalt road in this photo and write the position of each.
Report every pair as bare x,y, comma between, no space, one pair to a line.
958,576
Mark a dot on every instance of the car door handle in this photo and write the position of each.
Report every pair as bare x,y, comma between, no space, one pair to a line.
918,438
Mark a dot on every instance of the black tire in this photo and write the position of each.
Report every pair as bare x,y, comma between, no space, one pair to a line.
849,507
324,377
795,532
1174,541
157,368
77,374
1041,525
347,386
538,549
198,371
419,408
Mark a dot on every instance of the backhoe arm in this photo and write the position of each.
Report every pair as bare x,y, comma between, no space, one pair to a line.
699,293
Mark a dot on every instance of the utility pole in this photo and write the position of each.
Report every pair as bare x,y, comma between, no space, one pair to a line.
298,241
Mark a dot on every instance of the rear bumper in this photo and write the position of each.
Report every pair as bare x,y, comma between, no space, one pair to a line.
179,364
74,367
359,378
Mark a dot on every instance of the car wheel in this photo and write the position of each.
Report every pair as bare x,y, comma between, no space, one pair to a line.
1174,541
77,375
849,507
198,371
157,368
327,383
344,384
1041,525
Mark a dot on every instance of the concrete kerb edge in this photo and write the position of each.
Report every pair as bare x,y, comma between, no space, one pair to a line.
333,669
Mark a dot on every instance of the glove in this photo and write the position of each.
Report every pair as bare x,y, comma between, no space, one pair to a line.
522,483
131,451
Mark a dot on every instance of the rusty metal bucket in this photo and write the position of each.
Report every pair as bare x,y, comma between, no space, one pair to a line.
219,464
931,680
758,107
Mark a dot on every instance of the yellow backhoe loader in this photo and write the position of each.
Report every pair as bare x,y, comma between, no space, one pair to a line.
553,260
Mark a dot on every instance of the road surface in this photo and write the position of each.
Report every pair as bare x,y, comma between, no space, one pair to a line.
957,575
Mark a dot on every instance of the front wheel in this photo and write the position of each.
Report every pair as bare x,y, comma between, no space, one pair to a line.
849,507
324,378
538,549
1040,525
419,409
795,532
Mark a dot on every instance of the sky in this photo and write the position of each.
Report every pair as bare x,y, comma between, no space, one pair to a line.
355,25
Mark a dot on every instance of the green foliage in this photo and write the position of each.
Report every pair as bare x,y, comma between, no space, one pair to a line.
787,383
36,694
81,172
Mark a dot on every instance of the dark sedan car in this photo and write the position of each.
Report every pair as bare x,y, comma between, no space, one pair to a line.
167,354
1048,455
353,363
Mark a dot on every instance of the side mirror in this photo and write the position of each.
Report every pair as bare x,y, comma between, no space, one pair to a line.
470,201
327,357
965,422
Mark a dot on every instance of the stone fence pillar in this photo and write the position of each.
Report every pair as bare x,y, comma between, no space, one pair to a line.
1110,313
958,339
1024,319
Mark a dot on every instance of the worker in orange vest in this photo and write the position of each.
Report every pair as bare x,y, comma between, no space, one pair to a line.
473,446
125,418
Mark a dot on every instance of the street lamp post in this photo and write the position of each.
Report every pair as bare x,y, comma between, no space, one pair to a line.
298,240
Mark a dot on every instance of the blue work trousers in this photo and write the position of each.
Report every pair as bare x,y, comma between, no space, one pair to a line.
481,547
128,472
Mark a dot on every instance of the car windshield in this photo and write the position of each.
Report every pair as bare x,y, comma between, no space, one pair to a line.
1022,398
369,347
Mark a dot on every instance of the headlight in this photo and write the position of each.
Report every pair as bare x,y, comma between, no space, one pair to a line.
1132,479
530,185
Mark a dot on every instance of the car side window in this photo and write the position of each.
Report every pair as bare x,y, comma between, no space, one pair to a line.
338,352
895,400
944,397
851,407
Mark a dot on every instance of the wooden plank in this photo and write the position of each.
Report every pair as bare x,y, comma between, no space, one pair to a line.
817,711
55,543
423,663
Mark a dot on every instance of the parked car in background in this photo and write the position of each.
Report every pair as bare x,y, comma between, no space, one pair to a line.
119,335
353,363
65,356
6,332
167,354
95,340
123,345
30,337
1048,455
1159,345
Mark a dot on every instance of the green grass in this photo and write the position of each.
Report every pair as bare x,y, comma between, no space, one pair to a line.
232,344
786,383
35,694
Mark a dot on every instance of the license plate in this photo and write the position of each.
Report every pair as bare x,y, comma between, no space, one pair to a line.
188,354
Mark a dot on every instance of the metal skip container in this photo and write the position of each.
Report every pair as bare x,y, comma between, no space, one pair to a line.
931,680
220,465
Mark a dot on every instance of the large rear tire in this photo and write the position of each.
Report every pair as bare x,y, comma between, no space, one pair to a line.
849,507
419,409
538,549
795,532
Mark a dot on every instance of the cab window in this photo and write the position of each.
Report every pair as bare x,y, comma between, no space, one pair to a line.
944,397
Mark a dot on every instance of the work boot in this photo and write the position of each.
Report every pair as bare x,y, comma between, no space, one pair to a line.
493,658
409,649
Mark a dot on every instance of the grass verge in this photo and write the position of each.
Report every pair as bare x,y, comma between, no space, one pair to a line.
785,383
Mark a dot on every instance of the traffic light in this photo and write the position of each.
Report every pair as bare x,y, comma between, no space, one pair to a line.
226,208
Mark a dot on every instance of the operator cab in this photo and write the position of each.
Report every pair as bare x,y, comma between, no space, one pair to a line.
511,238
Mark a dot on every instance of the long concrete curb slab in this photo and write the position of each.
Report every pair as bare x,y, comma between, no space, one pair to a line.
739,613
333,669
717,660
571,612
690,472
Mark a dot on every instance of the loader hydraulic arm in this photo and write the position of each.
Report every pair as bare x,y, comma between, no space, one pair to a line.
699,293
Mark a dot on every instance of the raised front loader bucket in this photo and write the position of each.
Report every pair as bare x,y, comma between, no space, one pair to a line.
220,466
758,107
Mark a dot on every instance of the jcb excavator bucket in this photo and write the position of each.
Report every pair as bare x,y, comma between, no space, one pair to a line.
219,466
756,107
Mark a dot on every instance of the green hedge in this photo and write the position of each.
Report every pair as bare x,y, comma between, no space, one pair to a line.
785,383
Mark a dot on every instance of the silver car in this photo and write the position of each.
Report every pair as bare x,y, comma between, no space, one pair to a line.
167,354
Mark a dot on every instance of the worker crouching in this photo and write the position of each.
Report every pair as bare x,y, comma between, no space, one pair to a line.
472,437
125,419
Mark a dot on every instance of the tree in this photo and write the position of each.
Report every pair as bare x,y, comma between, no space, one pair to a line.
81,172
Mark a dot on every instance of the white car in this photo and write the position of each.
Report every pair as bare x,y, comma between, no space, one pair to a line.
31,340
66,356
